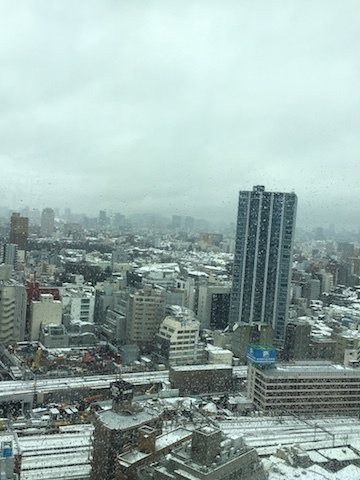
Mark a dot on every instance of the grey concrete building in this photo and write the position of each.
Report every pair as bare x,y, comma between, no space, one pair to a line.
209,456
47,222
214,305
116,430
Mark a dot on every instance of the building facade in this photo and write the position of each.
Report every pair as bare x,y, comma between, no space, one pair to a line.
209,456
263,257
200,379
145,311
213,306
79,302
347,349
243,334
10,255
297,341
47,222
305,387
177,342
44,311
12,308
116,430
19,231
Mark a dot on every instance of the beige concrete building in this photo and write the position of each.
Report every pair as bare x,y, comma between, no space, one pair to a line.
44,311
177,342
144,313
347,349
218,355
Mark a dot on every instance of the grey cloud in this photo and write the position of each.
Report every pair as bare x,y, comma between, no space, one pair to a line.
175,106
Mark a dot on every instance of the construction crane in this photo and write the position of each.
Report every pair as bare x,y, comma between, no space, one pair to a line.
36,362
150,390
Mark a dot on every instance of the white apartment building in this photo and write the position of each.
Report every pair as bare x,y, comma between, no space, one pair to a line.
177,342
79,302
44,311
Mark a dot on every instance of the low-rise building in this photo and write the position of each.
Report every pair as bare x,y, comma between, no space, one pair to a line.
347,349
199,379
148,447
244,334
218,355
209,456
304,387
54,336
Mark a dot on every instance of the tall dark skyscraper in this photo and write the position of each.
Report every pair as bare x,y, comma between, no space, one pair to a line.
19,231
263,256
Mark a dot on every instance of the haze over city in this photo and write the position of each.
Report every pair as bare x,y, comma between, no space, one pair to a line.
173,107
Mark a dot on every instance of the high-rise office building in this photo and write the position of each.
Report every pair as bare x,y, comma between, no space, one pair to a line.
47,222
262,261
19,231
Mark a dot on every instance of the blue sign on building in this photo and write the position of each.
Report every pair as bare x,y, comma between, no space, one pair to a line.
261,354
6,452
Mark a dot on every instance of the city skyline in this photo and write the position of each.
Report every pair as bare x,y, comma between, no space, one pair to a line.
67,214
112,106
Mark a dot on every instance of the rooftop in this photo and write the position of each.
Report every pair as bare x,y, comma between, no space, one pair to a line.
186,368
311,369
126,420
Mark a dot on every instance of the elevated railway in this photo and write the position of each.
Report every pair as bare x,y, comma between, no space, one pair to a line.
28,392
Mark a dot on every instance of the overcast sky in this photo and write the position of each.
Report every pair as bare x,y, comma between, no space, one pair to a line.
174,106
